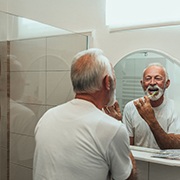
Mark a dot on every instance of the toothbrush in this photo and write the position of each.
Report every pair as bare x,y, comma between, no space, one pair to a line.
153,94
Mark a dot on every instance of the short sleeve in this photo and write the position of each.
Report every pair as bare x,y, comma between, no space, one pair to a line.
118,155
127,120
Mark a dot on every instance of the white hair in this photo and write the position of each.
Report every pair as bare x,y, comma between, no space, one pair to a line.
159,65
88,69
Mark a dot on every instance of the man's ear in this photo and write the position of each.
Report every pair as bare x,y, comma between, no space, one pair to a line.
167,83
141,82
142,85
107,82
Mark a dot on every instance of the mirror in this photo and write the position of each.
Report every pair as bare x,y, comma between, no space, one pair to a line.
129,73
129,70
35,61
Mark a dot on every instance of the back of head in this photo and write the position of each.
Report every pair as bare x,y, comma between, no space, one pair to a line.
88,69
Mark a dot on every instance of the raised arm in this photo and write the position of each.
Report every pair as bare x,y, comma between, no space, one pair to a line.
114,111
163,139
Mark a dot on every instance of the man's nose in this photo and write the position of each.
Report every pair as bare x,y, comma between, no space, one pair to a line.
153,81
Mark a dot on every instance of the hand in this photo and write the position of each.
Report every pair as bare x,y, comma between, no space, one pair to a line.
145,109
114,111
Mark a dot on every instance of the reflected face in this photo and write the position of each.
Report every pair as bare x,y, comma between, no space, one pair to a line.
154,79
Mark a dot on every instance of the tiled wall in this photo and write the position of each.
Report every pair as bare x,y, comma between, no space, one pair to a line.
4,111
39,79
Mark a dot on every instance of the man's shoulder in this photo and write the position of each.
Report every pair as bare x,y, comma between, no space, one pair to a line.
130,104
109,122
169,103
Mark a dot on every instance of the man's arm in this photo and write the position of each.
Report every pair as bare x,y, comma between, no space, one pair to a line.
114,111
164,140
133,175
131,140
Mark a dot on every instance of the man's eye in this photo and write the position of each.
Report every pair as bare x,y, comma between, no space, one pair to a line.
147,78
159,78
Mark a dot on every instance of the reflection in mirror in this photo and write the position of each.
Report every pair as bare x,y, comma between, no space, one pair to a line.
35,61
129,70
129,73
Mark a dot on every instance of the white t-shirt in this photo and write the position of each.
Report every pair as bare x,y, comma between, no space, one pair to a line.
77,141
139,129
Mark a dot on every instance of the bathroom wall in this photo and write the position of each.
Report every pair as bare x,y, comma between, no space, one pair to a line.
4,103
89,15
39,79
34,76
4,110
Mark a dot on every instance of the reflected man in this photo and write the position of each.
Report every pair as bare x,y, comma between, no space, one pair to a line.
22,119
154,83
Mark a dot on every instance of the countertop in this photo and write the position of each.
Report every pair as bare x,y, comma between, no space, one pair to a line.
146,154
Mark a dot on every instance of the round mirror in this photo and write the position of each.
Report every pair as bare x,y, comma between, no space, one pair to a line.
129,71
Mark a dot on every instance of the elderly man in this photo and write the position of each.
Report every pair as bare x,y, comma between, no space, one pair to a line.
77,140
154,83
163,139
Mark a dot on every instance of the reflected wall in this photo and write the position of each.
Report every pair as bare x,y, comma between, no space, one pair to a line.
34,76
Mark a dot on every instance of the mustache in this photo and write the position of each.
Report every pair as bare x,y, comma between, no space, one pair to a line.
153,88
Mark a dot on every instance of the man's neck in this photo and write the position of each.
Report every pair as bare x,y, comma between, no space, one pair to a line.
94,98
158,102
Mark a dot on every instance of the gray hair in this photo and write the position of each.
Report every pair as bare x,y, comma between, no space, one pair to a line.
88,69
159,65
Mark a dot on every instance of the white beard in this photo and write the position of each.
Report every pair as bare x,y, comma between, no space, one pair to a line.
155,97
112,98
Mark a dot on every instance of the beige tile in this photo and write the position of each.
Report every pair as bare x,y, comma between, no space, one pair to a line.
3,164
38,110
56,63
3,132
3,25
59,88
4,103
34,90
17,85
65,47
21,149
30,53
49,107
22,142
20,173
22,119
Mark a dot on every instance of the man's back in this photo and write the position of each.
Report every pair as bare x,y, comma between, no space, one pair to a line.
78,141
